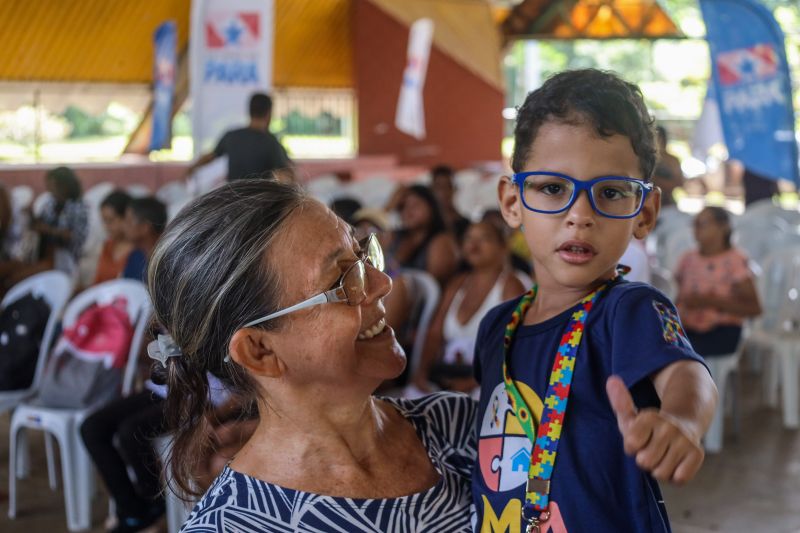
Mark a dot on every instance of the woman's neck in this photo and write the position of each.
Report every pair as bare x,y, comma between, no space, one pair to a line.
344,433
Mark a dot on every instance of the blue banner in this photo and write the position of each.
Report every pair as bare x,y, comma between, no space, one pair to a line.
752,85
163,85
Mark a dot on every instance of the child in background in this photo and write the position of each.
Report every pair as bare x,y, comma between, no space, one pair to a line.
716,291
145,220
586,350
117,247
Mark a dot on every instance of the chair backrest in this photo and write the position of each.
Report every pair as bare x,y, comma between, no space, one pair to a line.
39,203
137,190
779,290
679,241
138,308
21,197
55,288
425,291
173,191
661,279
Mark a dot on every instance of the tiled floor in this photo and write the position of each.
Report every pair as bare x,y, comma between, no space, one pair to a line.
752,486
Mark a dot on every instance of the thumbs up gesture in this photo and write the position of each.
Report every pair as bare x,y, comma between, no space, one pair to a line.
661,443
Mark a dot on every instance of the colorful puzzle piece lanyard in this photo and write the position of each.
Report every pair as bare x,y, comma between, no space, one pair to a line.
545,443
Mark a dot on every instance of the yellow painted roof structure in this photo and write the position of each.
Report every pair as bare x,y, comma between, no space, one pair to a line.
587,19
111,40
463,29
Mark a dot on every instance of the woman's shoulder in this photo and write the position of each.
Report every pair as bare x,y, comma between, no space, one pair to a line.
448,414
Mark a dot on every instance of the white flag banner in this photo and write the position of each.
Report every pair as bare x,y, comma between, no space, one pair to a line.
707,130
410,117
230,58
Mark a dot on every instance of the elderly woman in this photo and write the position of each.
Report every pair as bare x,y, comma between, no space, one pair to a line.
268,290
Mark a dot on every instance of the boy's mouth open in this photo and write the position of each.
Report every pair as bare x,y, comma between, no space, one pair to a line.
576,252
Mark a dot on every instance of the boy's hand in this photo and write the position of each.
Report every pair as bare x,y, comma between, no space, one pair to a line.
660,442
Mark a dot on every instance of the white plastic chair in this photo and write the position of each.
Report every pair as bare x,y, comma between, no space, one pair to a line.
426,292
325,188
374,191
174,191
778,328
661,279
39,202
21,197
55,287
137,190
679,241
721,368
177,509
64,424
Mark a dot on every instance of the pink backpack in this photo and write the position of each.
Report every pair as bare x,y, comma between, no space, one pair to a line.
89,358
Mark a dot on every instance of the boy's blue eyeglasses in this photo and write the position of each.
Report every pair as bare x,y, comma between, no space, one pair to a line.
350,288
610,196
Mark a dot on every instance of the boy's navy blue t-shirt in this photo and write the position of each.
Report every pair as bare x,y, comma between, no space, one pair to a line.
633,331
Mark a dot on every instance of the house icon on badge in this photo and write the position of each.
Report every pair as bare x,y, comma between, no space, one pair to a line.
521,460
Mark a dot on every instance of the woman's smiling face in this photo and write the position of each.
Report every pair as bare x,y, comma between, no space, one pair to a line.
332,343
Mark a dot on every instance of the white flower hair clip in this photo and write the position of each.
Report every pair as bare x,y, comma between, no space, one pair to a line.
162,349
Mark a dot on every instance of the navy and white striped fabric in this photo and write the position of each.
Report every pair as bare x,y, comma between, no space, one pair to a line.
444,422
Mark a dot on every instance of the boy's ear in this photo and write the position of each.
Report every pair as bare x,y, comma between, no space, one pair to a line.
646,220
510,203
251,349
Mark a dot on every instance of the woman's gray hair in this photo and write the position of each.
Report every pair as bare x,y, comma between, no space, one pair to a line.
207,278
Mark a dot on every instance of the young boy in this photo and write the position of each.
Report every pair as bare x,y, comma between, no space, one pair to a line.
639,398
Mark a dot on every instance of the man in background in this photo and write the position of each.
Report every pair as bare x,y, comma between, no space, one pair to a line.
252,149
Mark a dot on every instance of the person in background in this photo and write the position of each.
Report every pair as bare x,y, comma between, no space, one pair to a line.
444,188
716,289
490,280
668,174
423,242
145,220
117,247
63,226
757,186
251,150
345,208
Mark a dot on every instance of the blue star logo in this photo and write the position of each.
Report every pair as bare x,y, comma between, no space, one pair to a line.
232,33
747,67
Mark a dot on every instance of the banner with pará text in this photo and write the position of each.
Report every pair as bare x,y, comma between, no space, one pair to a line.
752,86
231,44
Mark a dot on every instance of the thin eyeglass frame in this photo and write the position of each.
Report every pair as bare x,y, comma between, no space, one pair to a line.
336,294
578,186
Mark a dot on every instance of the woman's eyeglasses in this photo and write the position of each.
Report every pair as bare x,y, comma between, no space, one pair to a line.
609,196
350,288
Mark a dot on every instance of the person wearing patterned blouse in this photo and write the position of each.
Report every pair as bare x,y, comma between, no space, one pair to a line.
241,280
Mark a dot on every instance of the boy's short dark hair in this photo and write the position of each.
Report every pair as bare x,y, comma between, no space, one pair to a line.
151,211
118,201
260,105
604,100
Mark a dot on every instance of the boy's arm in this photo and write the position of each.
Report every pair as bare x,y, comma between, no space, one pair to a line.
666,441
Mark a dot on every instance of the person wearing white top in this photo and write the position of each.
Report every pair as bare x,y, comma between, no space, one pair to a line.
447,358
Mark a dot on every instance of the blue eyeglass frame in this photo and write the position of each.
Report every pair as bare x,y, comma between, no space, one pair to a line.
337,293
578,186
